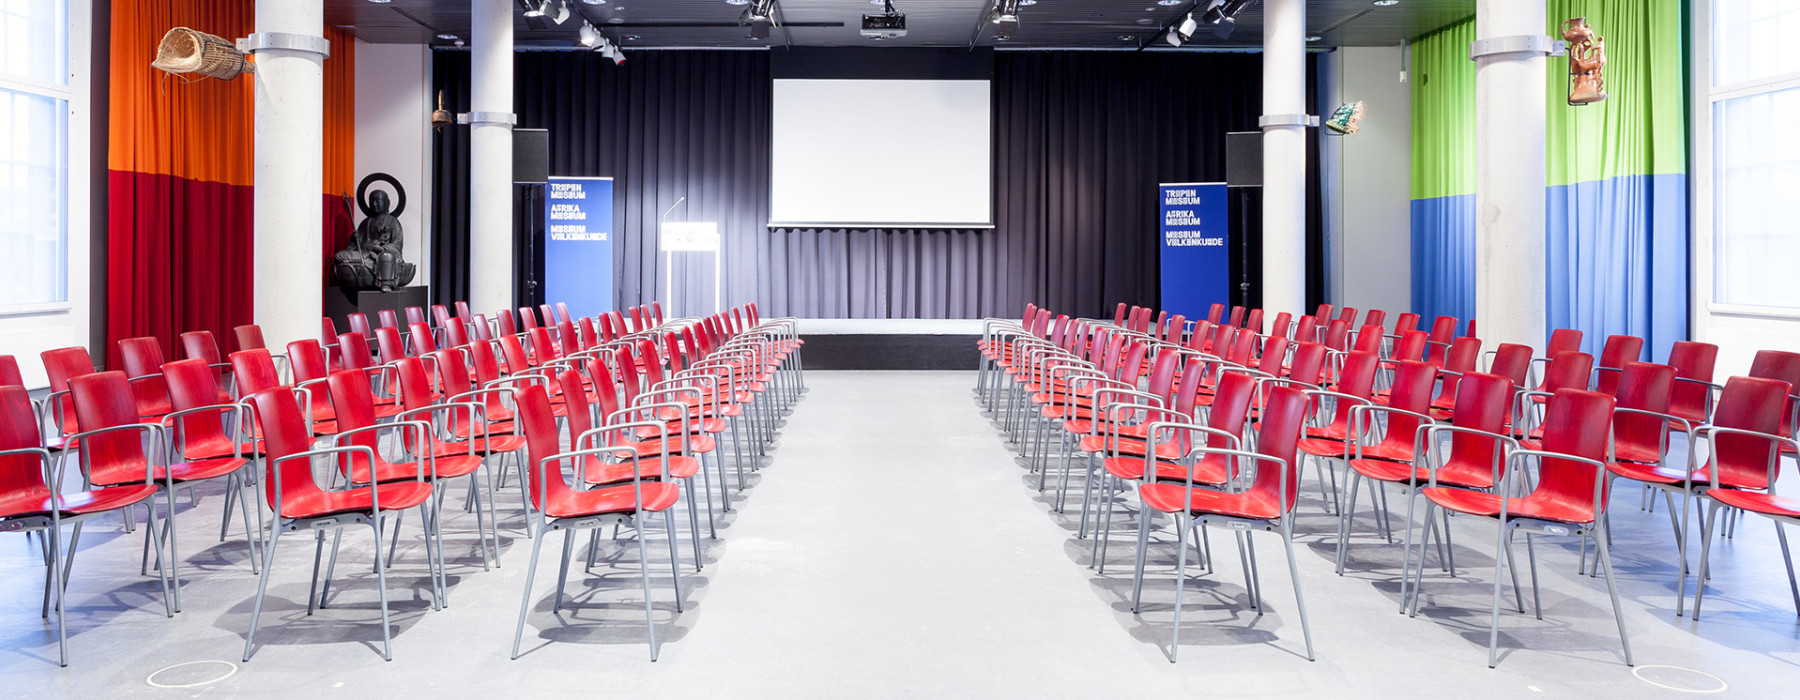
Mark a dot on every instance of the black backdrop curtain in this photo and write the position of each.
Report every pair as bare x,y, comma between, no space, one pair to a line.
1081,140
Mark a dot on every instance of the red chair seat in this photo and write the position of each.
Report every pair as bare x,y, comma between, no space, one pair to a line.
1210,470
1535,506
494,428
658,496
1170,498
1323,447
600,472
36,501
398,495
688,445
1128,446
1764,503
217,445
1384,451
200,470
487,445
1658,474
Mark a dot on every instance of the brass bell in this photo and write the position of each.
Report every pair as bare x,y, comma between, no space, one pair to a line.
441,117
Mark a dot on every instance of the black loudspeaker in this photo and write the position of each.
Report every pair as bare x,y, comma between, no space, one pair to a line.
531,156
1243,159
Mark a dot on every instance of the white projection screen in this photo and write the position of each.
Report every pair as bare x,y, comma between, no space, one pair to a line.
881,153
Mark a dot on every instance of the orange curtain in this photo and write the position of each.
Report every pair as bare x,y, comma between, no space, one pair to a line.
180,159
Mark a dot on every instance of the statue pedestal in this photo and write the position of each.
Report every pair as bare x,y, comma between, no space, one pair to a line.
340,303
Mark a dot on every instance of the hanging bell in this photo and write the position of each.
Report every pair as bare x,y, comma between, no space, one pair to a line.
441,117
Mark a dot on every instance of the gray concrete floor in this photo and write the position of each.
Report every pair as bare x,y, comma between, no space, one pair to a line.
893,547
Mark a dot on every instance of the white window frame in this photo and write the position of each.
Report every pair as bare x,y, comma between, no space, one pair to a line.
27,330
1705,97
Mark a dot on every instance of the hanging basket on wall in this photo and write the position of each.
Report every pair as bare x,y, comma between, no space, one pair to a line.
185,50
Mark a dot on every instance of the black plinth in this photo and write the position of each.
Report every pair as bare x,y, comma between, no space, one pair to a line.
339,304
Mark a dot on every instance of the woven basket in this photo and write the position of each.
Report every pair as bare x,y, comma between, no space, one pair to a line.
185,50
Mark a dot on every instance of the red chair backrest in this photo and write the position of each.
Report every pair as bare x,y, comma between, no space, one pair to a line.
1213,315
200,345
1408,321
359,322
1644,387
1692,360
249,337
356,350
1348,313
1749,403
508,326
1619,350
462,311
388,341
104,400
606,389
1577,423
1368,339
1356,378
1230,409
1307,330
653,367
1274,355
1118,314
627,374
1569,370
1243,345
1254,321
543,347
421,338
1337,334
9,373
584,326
254,370
541,441
353,403
414,315
1278,436
1324,311
1162,374
440,315
456,334
1203,332
548,315
388,318
656,312
415,386
1563,340
143,357
1376,317
191,385
1284,324
283,428
512,354
1782,365
1410,346
1308,366
1513,361
1176,326
61,365
20,474
1237,317
1483,402
1411,391
308,360
482,331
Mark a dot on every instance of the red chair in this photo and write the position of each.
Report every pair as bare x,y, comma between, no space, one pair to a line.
356,357
1568,499
1755,489
359,323
1376,317
143,360
1513,361
9,372
1266,504
1570,370
255,371
200,345
388,319
1460,360
1783,366
1561,340
1253,321
328,337
29,482
301,505
353,399
555,505
528,319
456,334
1692,397
1443,330
419,337
462,311
1741,446
508,324
1406,322
1306,330
414,315
61,365
1619,350
1354,387
440,315
310,375
1237,317
113,454
598,471
198,434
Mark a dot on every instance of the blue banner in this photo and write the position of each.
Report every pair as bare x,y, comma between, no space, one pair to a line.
578,244
1196,251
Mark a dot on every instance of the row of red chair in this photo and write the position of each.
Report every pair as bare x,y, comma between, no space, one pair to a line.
1537,455
642,410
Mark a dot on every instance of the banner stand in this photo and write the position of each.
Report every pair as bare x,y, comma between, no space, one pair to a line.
1195,239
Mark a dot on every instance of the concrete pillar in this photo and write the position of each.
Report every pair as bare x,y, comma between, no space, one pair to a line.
490,158
1510,99
1284,157
290,174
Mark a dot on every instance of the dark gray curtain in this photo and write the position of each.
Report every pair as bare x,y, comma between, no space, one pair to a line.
1081,139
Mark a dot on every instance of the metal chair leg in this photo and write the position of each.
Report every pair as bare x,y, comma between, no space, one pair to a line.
537,544
1287,539
1613,591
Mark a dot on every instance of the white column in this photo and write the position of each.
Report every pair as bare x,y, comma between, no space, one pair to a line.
1510,98
1284,158
290,175
490,158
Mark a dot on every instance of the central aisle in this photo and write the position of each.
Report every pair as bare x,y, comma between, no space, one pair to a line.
891,549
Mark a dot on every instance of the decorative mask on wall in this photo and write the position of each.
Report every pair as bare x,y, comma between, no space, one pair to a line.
1345,118
1587,56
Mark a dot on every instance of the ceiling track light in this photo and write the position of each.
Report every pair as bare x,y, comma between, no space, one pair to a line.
1005,18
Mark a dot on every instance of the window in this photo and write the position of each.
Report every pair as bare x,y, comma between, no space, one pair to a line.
34,162
1755,151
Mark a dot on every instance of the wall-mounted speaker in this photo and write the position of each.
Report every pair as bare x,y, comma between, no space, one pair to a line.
1243,159
531,156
